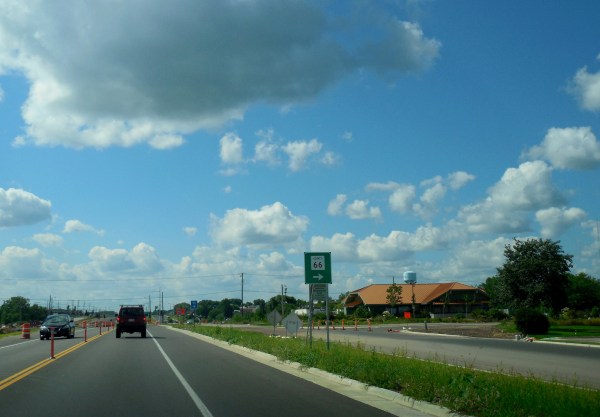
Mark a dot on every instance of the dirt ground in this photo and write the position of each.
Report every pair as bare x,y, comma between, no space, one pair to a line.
474,330
466,329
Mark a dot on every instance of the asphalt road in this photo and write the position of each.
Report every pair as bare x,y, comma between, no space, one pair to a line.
169,373
567,363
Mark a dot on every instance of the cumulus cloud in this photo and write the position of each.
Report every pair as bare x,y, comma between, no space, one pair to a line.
113,260
23,263
300,151
585,86
396,246
510,201
336,206
270,225
359,209
555,221
401,199
190,231
72,226
344,245
459,179
21,208
569,148
48,239
356,210
265,151
232,150
170,70
141,259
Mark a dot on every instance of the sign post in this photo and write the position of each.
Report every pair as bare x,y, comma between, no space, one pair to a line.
317,274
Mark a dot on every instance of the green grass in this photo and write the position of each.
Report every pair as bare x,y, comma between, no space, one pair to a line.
463,390
10,334
558,330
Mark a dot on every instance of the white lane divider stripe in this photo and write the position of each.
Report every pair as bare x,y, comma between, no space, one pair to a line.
203,409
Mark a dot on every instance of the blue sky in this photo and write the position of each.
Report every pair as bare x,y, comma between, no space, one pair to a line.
172,146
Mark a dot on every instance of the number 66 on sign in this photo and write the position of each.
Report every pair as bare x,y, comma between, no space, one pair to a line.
317,267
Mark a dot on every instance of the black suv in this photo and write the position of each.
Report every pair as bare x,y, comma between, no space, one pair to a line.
131,319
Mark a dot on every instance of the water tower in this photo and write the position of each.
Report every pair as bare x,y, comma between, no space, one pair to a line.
410,277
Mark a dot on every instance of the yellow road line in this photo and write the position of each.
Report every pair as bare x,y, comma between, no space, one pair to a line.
5,383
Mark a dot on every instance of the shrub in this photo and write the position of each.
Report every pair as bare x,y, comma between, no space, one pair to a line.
531,322
497,314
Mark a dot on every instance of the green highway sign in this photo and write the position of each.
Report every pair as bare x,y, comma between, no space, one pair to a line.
317,267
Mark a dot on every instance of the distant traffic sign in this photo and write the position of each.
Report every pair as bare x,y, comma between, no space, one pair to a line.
317,267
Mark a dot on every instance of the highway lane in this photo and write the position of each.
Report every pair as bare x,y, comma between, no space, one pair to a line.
168,373
17,354
550,361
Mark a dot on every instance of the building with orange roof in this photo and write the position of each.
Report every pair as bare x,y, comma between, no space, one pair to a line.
434,300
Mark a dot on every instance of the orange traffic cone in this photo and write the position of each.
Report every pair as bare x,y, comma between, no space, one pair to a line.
25,331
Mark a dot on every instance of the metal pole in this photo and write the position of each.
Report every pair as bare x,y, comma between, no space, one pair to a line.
327,312
310,312
242,306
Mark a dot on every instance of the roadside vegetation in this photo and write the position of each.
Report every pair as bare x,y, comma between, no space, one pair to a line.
462,390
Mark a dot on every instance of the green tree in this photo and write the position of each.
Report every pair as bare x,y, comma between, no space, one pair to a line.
18,309
394,295
534,275
583,292
492,288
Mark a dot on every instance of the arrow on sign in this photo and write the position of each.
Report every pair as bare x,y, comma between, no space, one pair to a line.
319,277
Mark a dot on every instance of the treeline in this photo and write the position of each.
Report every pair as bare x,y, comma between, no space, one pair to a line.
536,275
18,310
256,310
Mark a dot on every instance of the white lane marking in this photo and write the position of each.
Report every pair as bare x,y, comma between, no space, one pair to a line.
203,409
17,344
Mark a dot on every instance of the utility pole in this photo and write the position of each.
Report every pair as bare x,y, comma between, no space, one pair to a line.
242,306
283,287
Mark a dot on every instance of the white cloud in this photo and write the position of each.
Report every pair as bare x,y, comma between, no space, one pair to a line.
343,245
141,259
569,148
168,70
555,221
48,239
335,206
459,179
474,258
356,210
509,203
330,159
270,225
299,152
525,188
393,247
231,149
266,151
110,259
22,208
585,86
402,197
24,263
359,209
72,226
378,186
190,231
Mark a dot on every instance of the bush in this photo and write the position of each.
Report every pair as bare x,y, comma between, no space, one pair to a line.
531,322
497,314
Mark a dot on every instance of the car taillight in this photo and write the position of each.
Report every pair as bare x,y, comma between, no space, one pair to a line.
144,319
118,319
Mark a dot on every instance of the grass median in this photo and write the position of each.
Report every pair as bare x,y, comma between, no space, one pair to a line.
462,390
